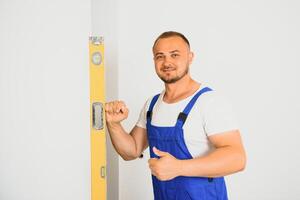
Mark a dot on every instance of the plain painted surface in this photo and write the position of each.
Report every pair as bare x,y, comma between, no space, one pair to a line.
44,100
247,50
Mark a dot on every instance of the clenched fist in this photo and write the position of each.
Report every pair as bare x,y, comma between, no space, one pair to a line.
115,111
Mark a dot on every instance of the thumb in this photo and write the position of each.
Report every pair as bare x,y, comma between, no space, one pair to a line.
159,152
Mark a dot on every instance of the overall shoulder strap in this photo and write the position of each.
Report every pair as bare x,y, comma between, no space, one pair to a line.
184,114
149,112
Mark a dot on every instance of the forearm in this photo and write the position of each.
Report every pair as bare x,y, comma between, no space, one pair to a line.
222,161
123,142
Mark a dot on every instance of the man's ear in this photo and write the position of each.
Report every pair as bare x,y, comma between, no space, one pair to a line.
191,57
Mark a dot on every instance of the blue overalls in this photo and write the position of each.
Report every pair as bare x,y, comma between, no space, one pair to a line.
171,140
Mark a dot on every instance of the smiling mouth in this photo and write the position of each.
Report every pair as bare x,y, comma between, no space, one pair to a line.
168,69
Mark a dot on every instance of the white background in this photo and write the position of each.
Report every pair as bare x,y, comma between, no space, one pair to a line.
247,50
44,100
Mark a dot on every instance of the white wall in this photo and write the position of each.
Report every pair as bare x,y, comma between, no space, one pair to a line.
248,50
44,100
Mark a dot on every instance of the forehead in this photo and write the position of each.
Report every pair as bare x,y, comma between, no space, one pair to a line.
170,44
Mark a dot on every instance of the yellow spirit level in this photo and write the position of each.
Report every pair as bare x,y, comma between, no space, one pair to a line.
97,124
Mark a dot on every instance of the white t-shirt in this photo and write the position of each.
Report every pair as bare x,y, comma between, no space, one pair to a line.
211,114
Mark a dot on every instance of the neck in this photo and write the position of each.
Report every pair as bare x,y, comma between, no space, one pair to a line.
181,89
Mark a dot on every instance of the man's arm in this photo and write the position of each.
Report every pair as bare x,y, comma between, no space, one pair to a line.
227,158
129,146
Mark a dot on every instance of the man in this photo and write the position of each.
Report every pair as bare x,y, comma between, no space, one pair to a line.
190,131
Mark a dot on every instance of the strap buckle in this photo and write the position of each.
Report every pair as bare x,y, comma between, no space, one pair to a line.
182,116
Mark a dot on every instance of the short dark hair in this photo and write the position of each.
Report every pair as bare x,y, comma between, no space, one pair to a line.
168,34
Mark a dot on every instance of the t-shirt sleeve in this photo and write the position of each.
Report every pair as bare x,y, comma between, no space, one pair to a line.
142,120
219,116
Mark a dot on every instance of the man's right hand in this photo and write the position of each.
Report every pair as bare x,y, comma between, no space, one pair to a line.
115,111
129,146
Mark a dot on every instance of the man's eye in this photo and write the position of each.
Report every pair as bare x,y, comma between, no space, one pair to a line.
158,57
175,55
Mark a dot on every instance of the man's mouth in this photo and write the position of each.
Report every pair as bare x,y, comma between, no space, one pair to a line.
168,69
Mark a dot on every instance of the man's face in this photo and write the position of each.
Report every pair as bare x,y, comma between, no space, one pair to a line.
172,58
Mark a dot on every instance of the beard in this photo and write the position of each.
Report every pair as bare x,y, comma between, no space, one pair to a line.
176,78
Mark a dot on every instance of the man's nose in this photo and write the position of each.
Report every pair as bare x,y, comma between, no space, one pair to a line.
167,61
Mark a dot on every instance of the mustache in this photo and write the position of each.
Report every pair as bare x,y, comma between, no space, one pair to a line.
168,67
